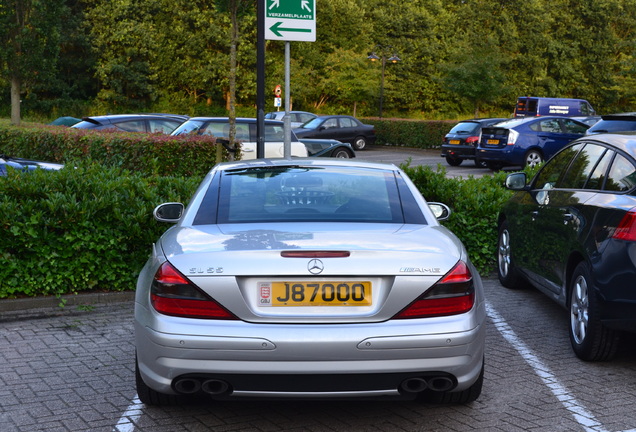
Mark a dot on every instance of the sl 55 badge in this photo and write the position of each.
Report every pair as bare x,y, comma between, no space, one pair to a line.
208,270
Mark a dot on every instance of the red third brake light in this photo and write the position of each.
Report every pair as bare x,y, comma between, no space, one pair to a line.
454,294
626,229
173,294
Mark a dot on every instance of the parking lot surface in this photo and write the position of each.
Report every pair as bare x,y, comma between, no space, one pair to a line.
72,369
412,156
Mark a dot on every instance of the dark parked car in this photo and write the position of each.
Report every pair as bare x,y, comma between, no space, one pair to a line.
571,232
461,141
339,127
526,141
298,118
612,123
149,123
328,148
22,164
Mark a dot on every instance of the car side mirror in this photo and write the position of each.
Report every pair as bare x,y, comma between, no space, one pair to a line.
168,212
516,181
440,211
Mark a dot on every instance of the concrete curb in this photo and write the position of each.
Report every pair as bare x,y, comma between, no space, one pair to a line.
38,306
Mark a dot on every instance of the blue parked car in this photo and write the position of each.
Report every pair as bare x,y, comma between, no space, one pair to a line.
526,141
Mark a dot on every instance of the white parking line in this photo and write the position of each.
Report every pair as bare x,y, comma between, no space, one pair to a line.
128,419
582,416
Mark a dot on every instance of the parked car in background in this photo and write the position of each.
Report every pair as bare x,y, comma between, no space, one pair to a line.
526,141
339,127
571,232
328,148
219,127
462,140
148,123
612,123
308,278
528,106
25,165
298,118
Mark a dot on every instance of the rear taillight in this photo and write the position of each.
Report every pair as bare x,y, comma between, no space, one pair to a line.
472,140
626,229
512,136
454,294
172,294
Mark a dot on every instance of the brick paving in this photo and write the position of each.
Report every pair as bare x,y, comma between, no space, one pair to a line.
72,369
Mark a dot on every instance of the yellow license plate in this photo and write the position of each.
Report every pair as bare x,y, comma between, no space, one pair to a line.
356,293
454,141
492,142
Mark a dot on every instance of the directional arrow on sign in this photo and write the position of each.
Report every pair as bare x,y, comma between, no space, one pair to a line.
277,29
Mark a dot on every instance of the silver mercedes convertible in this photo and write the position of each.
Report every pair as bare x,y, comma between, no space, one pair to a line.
301,278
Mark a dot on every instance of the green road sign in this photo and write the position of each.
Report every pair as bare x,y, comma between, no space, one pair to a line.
290,20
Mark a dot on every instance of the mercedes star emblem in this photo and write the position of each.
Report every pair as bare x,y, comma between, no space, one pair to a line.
315,266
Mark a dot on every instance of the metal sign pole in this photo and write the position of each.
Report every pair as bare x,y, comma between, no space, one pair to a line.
287,117
260,79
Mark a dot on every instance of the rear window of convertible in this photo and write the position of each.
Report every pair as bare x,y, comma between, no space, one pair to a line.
309,193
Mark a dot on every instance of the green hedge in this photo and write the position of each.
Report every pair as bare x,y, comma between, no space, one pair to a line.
148,153
80,228
410,133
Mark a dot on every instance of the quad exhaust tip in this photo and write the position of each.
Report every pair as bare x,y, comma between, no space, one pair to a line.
189,386
418,384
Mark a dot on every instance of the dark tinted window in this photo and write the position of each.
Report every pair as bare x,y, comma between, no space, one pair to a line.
553,170
597,178
347,122
622,175
579,171
573,127
465,128
613,126
132,126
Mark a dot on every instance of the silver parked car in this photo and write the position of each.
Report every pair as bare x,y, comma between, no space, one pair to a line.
308,278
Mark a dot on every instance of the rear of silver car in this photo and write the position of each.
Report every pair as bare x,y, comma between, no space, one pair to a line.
314,310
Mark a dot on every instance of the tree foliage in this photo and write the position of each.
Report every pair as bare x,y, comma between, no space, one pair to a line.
458,57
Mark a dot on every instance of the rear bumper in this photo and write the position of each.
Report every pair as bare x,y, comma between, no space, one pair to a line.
458,151
313,361
502,156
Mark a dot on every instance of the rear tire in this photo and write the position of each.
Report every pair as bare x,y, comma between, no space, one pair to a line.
469,395
149,396
359,143
342,154
453,161
508,274
533,158
590,339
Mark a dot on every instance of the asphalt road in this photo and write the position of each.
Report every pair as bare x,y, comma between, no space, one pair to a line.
432,158
72,369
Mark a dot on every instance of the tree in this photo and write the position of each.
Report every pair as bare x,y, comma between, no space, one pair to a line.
29,44
124,35
475,74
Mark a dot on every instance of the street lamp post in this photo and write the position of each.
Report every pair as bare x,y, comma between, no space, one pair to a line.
384,53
